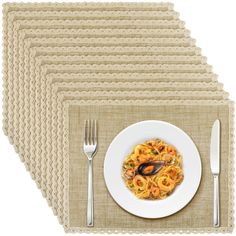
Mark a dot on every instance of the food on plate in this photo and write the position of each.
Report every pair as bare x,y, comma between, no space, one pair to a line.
153,169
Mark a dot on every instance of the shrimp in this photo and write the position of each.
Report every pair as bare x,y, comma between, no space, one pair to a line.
179,178
160,147
167,157
155,191
171,150
129,174
175,173
140,182
171,171
143,158
139,148
165,184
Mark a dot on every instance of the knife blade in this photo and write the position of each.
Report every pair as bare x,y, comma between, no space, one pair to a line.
215,169
215,148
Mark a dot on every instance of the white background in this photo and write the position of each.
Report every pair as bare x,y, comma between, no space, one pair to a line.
23,210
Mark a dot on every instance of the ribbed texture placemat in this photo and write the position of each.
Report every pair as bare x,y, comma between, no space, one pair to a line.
64,60
196,217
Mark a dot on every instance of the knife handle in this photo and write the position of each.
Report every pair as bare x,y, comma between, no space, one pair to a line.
216,201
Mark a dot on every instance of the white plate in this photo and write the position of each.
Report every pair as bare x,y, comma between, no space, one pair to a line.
122,145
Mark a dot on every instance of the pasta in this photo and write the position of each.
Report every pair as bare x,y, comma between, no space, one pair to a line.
153,169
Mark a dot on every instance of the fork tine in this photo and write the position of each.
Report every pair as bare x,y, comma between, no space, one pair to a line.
95,132
85,132
89,132
92,132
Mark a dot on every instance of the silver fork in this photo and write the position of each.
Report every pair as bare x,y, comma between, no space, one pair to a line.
90,149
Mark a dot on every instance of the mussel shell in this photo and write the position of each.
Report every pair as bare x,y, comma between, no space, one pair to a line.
157,166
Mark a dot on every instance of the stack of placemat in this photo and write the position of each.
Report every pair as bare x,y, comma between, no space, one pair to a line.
61,59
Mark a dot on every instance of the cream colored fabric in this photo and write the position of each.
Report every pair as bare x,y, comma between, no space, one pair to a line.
35,165
84,53
80,11
57,114
168,16
196,120
79,89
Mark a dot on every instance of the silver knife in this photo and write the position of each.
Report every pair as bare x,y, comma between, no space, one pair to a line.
215,168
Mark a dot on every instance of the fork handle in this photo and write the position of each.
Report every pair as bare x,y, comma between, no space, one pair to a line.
216,201
90,194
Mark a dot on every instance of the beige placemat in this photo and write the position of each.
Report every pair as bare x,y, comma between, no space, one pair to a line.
27,157
57,146
41,83
196,121
53,87
27,32
30,61
17,31
27,137
76,91
43,89
19,94
17,18
15,13
80,10
112,6
55,124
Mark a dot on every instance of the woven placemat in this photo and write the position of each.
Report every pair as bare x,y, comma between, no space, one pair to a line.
80,92
42,76
59,32
19,93
53,87
14,12
26,140
56,114
36,166
15,16
196,120
110,47
39,78
56,157
23,122
20,76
